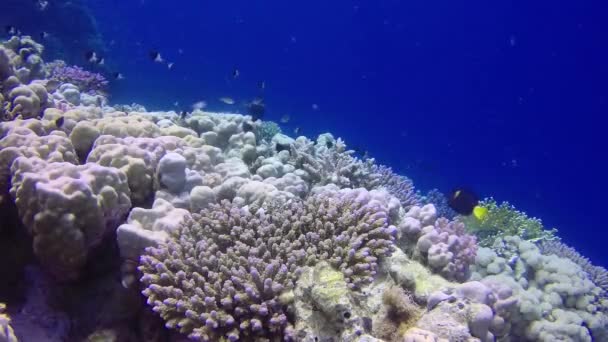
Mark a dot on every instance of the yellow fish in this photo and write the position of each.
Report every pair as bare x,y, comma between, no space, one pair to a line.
480,212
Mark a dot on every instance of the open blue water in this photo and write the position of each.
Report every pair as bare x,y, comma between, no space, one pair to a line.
509,98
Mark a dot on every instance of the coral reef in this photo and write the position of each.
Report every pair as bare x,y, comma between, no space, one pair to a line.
129,225
398,186
557,300
233,265
504,220
597,274
444,245
86,81
438,199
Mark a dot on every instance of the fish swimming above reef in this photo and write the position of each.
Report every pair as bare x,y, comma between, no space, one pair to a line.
236,73
465,202
199,105
227,100
93,57
59,121
11,30
256,108
44,35
285,118
118,76
155,56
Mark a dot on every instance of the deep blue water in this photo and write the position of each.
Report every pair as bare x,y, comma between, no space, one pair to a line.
508,98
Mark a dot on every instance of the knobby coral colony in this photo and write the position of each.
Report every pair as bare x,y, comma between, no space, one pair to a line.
235,231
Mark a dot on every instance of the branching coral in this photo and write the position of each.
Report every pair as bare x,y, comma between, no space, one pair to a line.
398,186
331,162
438,199
267,130
504,220
221,274
86,81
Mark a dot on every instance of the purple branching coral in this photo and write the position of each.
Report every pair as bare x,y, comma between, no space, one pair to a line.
86,81
597,274
397,185
223,273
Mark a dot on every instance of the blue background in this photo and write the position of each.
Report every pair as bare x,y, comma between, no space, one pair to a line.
508,98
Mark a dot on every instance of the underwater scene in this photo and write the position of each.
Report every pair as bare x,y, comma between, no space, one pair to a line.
320,171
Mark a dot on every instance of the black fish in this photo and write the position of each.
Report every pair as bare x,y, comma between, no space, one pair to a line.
282,147
247,127
256,109
463,201
10,29
91,56
59,122
236,73
118,76
155,56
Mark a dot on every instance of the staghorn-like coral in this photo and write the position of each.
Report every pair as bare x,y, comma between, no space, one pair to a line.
597,274
222,273
397,185
330,162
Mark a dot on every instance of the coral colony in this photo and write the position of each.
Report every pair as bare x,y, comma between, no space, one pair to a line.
120,224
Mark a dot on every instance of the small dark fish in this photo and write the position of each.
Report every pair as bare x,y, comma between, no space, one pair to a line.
10,29
91,57
236,73
282,147
155,56
102,61
118,76
296,131
44,35
59,122
52,85
256,109
247,127
463,201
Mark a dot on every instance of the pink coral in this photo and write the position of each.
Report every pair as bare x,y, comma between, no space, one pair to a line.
449,249
86,81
